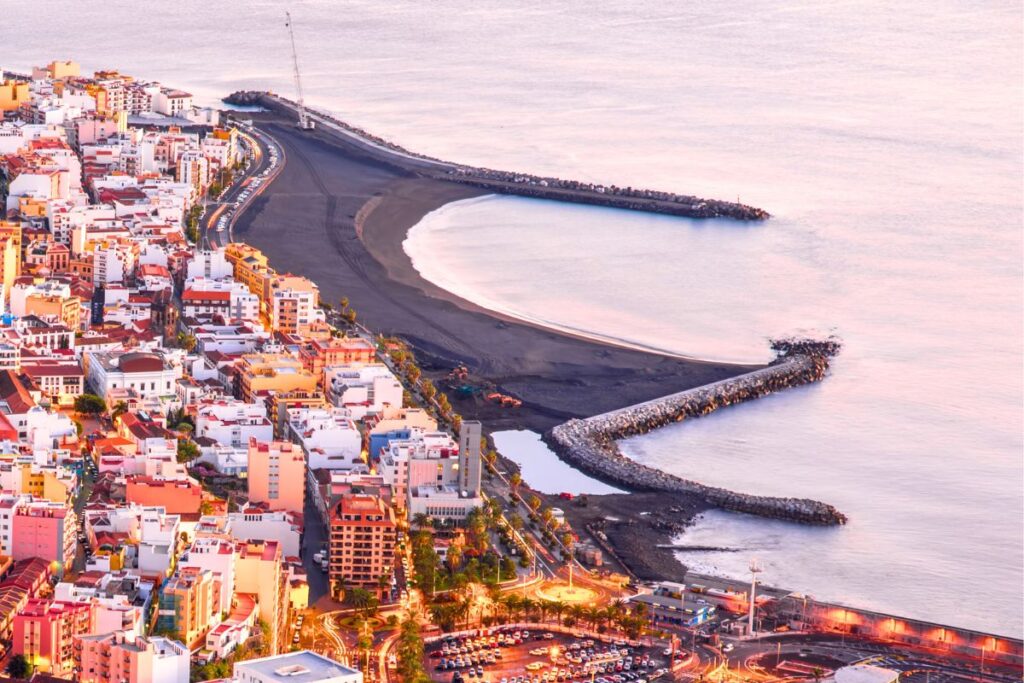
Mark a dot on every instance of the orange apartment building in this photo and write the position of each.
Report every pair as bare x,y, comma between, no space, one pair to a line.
189,604
277,475
318,354
261,374
118,657
362,543
45,630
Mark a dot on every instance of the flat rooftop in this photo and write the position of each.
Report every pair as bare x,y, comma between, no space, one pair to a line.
296,667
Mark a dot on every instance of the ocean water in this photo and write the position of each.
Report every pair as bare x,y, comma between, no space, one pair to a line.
540,467
884,137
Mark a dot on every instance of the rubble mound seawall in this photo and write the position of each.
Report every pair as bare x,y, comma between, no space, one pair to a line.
591,444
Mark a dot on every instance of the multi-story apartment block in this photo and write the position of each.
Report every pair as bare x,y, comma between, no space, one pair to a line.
261,374
44,529
45,631
277,475
362,543
189,604
259,571
120,658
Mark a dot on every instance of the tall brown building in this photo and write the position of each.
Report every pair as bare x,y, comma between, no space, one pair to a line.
362,547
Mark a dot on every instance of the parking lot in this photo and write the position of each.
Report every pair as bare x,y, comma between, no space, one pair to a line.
514,656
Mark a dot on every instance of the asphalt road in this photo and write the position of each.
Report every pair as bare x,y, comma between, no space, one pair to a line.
259,162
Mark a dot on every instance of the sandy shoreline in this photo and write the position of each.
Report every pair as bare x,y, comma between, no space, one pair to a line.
306,223
340,218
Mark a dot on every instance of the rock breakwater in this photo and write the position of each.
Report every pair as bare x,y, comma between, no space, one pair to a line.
591,444
520,184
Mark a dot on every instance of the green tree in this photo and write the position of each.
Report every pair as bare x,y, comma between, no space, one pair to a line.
19,667
409,653
187,451
428,389
186,341
515,480
90,404
120,408
412,372
364,601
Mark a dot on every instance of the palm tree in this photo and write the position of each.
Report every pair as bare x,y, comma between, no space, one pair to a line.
594,615
514,605
575,614
119,409
557,608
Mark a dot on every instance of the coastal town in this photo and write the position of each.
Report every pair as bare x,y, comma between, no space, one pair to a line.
211,470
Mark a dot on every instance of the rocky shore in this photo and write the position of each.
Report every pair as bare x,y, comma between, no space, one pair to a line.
591,444
522,184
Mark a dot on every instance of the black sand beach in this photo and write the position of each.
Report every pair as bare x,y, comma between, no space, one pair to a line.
339,218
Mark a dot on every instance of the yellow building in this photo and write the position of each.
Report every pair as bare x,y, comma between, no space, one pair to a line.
281,403
45,483
60,70
31,207
258,571
13,94
263,373
250,266
10,258
69,309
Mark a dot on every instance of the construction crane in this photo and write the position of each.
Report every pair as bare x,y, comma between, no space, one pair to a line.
305,122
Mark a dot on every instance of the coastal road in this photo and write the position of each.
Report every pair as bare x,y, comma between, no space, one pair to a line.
229,204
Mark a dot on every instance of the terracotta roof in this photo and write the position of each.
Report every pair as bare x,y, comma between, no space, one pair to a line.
13,392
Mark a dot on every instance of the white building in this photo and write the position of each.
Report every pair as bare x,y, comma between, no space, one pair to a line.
442,503
364,389
294,310
231,422
329,438
229,460
217,555
170,102
111,263
158,540
256,524
232,300
148,373
211,265
295,667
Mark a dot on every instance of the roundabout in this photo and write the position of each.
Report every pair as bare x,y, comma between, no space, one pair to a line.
560,591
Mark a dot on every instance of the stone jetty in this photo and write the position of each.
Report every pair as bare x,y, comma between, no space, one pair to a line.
591,444
506,182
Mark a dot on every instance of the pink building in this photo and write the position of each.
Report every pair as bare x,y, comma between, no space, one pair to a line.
46,530
117,657
44,632
176,496
277,475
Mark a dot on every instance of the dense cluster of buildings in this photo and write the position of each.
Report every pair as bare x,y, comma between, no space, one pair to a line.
167,529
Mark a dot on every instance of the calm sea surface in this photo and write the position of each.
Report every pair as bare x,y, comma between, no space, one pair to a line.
884,137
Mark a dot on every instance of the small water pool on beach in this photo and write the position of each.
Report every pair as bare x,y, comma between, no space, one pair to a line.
542,469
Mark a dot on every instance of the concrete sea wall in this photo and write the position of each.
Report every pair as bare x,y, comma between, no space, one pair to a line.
506,182
591,444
